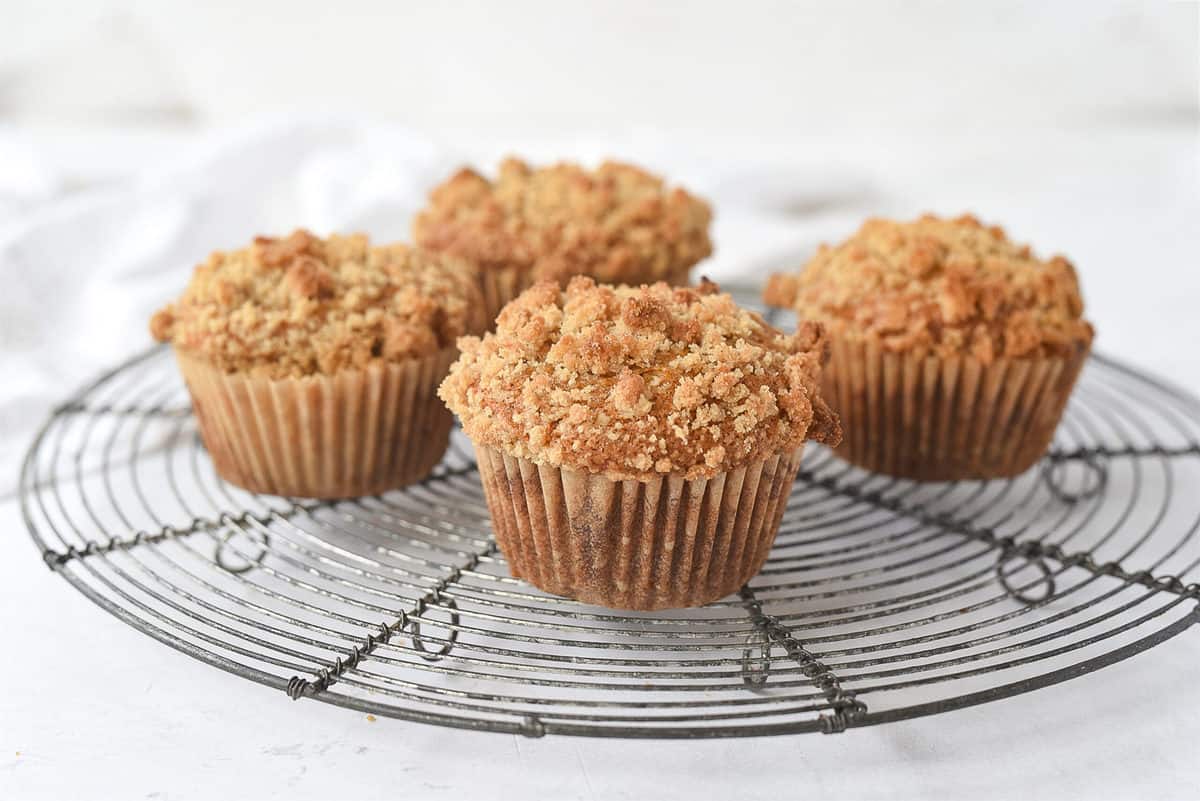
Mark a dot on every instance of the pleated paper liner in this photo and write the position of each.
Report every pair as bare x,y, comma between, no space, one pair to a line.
357,432
659,544
930,418
502,284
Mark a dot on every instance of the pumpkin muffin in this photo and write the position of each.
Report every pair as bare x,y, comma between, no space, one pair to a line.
617,224
954,349
637,445
313,363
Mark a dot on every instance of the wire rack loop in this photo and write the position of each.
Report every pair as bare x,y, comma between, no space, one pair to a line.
223,560
1096,465
443,650
1022,594
756,670
843,703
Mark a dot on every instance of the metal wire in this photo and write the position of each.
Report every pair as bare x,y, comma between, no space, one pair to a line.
882,599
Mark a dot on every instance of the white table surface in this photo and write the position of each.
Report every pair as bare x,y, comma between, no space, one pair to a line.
92,708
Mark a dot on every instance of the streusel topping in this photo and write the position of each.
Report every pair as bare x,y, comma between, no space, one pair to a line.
952,286
617,223
301,305
636,382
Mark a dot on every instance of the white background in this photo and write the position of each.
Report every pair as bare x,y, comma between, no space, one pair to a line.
135,136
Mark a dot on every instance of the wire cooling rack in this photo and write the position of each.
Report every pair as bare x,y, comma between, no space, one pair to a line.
882,599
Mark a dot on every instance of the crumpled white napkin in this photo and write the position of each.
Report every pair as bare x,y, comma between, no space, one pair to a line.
81,278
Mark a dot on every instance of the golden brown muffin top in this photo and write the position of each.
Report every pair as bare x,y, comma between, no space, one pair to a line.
950,286
617,223
637,382
301,305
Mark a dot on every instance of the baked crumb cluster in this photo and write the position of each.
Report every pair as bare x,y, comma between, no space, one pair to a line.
634,382
617,223
301,305
952,286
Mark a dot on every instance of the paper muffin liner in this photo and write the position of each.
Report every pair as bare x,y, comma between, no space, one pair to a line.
357,432
932,418
500,285
658,544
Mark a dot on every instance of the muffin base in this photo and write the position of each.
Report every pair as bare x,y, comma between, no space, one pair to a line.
500,285
659,544
357,432
930,418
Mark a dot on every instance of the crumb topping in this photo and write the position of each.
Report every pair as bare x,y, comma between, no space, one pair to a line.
635,382
301,305
952,286
618,223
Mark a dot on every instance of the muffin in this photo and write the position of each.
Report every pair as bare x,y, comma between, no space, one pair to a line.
637,445
954,350
617,224
313,364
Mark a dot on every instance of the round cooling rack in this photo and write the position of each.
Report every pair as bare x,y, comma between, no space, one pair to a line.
883,599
